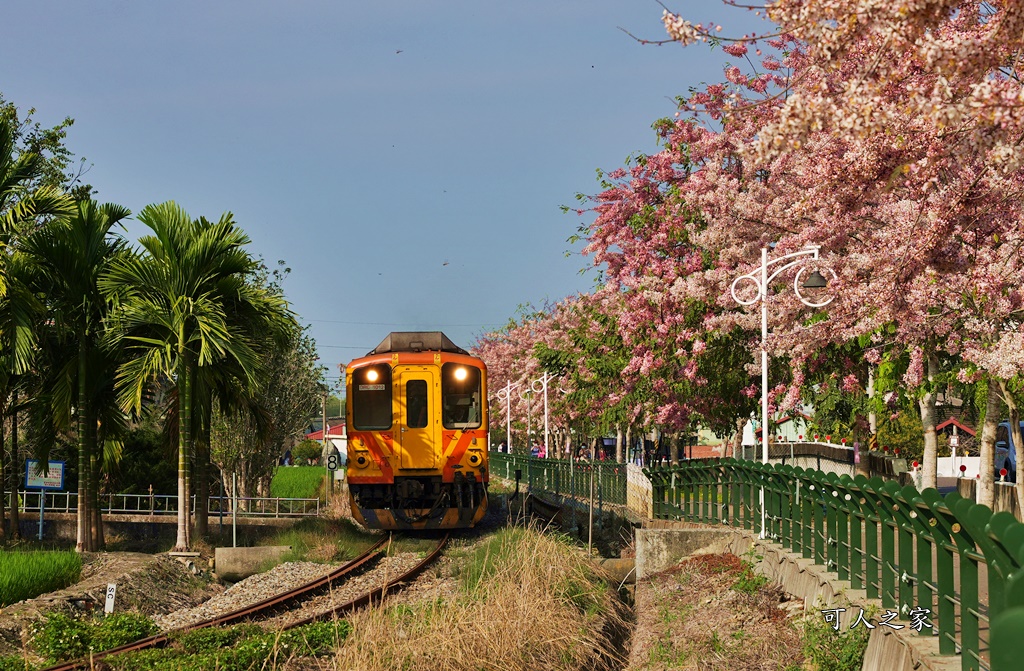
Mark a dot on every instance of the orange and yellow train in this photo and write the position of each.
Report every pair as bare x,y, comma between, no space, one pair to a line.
416,416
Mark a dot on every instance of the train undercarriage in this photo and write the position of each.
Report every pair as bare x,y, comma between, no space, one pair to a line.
420,502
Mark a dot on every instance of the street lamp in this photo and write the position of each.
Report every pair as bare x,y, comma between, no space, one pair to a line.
760,279
506,395
527,396
543,382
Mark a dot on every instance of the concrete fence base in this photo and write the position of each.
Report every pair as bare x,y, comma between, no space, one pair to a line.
234,564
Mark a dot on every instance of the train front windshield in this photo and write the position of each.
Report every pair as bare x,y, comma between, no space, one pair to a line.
371,398
460,396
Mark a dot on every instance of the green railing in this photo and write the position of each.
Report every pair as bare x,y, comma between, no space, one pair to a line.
909,549
564,479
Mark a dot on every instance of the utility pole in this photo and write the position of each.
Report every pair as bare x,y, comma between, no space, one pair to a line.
325,455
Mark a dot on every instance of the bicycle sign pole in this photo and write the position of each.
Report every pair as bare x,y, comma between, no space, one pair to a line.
51,478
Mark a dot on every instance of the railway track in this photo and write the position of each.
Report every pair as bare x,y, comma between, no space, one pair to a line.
280,602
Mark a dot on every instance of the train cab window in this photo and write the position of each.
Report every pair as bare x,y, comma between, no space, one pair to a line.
416,404
371,398
460,396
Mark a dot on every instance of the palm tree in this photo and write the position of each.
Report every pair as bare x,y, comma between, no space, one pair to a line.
69,256
23,204
185,304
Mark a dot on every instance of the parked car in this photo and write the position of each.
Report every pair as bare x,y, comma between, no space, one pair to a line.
1006,455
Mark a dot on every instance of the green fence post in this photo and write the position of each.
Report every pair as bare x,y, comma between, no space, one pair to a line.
903,568
786,506
807,506
883,505
941,522
1007,632
970,614
842,499
817,491
858,521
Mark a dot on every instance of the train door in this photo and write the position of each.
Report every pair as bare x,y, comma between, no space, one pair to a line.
417,419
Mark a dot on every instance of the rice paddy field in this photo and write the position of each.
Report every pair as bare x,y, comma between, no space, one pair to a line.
297,482
27,574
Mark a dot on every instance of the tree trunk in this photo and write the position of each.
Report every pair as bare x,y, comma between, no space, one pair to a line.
15,468
202,478
1018,441
628,447
82,542
987,450
737,439
243,484
618,443
98,543
864,467
181,543
673,448
3,490
931,443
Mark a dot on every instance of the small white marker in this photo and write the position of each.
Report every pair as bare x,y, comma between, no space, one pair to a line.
108,607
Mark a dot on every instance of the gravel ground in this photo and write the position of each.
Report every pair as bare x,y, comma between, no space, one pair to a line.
381,574
247,592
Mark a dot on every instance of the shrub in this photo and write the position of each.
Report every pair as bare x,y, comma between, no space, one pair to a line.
121,628
239,648
25,575
61,637
15,663
307,450
832,650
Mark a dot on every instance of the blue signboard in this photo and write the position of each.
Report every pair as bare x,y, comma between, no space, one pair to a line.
52,479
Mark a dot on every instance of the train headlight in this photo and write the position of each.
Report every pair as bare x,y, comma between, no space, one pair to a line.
362,461
372,375
474,459
461,373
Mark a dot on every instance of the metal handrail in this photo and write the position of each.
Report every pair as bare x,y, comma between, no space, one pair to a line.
910,549
565,479
165,504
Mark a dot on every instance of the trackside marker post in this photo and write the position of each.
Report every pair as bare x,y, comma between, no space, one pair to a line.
108,606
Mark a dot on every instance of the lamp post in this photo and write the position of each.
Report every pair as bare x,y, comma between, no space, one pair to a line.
527,396
506,395
760,278
543,382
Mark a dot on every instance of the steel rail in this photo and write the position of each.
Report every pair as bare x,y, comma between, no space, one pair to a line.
159,640
377,594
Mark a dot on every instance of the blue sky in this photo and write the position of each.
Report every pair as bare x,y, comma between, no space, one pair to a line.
406,159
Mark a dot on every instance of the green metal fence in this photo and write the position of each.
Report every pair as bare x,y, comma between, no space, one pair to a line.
915,551
564,479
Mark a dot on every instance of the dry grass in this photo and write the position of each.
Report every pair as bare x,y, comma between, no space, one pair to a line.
526,601
708,613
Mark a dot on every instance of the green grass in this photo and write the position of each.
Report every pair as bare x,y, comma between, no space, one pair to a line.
62,636
240,648
832,650
297,482
25,575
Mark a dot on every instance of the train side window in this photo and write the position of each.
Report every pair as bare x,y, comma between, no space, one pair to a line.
416,404
371,398
460,396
